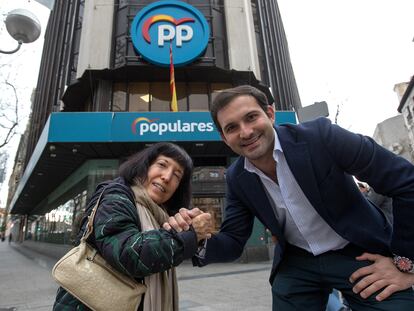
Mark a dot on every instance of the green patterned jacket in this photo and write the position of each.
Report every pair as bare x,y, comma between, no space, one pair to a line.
118,238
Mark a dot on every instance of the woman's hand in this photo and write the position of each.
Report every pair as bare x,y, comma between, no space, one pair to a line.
182,220
200,221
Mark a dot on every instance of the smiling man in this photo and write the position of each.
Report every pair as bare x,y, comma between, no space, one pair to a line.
298,181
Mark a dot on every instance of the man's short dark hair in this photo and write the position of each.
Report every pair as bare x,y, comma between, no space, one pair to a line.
224,97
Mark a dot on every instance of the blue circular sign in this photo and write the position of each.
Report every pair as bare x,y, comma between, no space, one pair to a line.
166,25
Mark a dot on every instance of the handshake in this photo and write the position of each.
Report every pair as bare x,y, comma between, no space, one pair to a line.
200,221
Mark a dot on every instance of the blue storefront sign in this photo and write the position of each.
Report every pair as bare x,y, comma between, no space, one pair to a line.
165,24
178,126
140,127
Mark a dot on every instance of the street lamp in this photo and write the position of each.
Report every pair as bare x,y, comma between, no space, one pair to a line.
23,26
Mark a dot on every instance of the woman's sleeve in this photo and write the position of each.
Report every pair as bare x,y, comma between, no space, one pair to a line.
120,241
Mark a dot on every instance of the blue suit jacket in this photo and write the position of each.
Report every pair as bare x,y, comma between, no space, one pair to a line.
323,157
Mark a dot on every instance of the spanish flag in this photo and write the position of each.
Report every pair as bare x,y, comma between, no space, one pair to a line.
174,106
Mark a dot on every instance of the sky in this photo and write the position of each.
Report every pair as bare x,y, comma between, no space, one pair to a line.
349,53
21,69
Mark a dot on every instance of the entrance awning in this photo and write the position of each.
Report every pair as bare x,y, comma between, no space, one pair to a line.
69,139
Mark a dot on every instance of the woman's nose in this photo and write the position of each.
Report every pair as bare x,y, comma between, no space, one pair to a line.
166,176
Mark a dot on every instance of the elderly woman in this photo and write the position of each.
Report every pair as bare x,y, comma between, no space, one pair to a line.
152,185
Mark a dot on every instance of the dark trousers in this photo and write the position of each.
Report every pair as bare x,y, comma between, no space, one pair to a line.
303,282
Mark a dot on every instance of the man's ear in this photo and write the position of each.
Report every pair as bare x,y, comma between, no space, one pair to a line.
223,138
270,111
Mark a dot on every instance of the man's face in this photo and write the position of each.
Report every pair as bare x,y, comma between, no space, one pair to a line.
247,129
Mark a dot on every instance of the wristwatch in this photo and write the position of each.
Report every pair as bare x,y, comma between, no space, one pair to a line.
403,264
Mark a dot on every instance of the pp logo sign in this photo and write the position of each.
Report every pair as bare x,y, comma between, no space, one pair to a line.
166,23
167,32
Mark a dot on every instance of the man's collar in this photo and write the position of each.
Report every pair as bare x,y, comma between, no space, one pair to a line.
249,166
277,146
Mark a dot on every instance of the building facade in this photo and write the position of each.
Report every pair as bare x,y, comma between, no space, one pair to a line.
101,97
392,134
405,93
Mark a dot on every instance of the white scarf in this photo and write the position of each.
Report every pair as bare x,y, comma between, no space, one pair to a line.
162,288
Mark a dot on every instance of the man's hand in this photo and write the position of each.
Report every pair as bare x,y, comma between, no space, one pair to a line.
203,226
381,275
182,220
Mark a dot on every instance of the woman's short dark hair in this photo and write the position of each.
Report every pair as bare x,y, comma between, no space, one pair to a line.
224,97
137,166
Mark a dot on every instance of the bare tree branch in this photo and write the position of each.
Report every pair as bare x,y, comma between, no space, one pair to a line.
337,114
11,128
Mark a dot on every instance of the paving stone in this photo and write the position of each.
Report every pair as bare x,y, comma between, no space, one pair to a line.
26,284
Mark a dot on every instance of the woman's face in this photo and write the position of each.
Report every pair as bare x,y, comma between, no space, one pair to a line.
164,176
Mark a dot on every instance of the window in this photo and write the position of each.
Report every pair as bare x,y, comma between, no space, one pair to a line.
55,226
139,96
88,104
198,97
160,96
217,87
119,97
181,91
156,96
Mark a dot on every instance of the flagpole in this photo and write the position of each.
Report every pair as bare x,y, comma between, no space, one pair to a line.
174,105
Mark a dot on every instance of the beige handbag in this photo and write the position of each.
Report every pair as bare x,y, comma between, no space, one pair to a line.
89,278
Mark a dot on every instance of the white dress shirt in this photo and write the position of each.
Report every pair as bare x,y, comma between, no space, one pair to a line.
301,224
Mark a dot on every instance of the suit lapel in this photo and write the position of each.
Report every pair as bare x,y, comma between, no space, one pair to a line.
299,160
252,188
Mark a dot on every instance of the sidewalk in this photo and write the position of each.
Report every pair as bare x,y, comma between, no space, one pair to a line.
225,287
26,284
25,280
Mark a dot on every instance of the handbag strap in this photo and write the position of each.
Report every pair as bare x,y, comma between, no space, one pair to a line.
91,217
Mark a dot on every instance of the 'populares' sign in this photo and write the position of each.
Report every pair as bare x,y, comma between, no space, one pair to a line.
162,23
